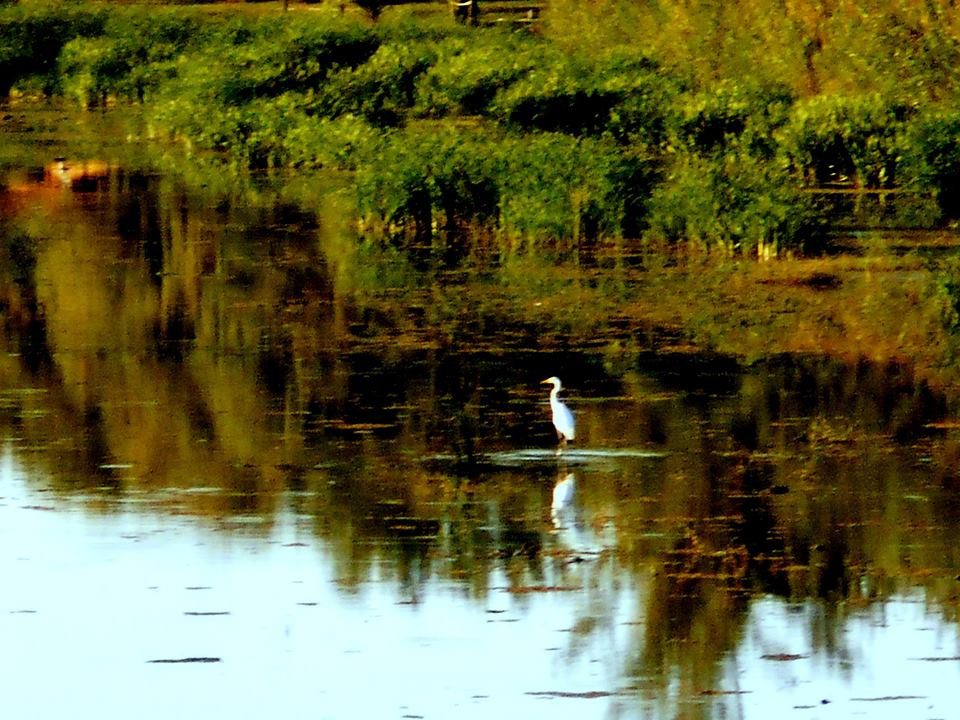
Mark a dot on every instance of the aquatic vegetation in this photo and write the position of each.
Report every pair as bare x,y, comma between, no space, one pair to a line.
743,111
32,37
856,140
560,140
542,189
932,151
466,76
734,204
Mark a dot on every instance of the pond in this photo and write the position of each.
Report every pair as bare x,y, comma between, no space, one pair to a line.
251,464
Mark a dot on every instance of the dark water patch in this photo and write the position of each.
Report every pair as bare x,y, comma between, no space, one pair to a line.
724,692
700,374
586,695
817,280
526,589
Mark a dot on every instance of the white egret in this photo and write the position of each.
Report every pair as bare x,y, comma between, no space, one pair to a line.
562,417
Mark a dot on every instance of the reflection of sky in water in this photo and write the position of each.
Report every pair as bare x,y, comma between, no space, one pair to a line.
891,647
89,599
108,593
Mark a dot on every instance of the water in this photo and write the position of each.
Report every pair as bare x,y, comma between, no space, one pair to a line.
95,601
252,466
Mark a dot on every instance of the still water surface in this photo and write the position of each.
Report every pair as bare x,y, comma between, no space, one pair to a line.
253,466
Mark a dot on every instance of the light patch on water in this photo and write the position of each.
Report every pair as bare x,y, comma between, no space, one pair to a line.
898,660
92,601
526,457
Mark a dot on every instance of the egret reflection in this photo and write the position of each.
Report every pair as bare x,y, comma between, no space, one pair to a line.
563,492
575,538
562,510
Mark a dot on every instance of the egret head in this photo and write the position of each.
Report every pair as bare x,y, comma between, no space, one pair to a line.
555,381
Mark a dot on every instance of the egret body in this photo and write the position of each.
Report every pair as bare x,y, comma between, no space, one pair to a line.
562,417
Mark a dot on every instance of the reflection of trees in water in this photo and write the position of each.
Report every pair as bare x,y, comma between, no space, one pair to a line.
757,503
243,354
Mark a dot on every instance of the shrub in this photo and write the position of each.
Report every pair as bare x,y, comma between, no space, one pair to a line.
733,204
31,41
933,158
532,190
382,89
271,58
557,187
561,96
620,95
837,138
741,112
469,72
338,143
276,67
89,68
423,174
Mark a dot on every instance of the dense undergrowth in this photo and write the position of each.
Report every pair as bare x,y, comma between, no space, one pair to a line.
670,122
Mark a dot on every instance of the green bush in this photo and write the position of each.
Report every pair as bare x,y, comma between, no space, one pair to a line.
340,143
533,190
270,58
933,158
267,70
133,56
621,95
560,96
426,177
90,68
31,40
382,90
743,112
469,72
557,187
845,139
733,204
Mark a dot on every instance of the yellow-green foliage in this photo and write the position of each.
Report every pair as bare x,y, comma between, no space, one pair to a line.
673,119
811,46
